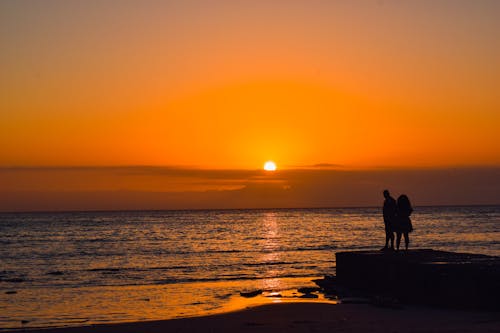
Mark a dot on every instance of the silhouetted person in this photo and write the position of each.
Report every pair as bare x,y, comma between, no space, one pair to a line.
389,212
403,222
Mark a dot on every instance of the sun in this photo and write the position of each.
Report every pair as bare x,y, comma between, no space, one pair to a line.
270,166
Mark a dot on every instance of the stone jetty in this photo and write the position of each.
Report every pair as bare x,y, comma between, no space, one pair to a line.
425,276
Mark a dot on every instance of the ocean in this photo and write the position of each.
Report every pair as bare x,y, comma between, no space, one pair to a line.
81,268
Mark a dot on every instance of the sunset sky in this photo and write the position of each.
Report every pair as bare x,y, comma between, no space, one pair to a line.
182,99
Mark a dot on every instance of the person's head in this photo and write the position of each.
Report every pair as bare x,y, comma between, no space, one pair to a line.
403,201
386,194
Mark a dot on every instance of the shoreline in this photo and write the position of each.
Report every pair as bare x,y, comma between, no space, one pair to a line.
309,316
93,305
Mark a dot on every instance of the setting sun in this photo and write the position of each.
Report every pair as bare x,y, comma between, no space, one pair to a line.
270,166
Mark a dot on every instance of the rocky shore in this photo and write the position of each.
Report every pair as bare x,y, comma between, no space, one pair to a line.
427,277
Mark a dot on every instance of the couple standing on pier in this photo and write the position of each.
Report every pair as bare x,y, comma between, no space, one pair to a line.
396,220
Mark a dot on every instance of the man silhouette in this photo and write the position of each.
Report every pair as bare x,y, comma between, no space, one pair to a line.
389,212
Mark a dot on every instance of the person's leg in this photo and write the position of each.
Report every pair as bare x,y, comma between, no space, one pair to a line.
391,235
407,240
386,238
398,240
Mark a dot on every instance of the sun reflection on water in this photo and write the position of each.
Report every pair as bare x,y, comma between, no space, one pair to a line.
271,235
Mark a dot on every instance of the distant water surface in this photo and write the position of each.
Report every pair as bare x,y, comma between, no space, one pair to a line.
60,269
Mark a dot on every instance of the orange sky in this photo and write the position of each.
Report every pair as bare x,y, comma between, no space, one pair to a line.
227,84
231,84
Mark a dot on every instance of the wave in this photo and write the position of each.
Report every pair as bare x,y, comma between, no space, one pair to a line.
269,263
232,278
94,254
168,281
192,267
138,269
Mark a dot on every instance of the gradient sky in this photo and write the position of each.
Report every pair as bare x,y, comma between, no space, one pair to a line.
227,85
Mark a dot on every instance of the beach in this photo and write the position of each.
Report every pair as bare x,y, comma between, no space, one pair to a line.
312,317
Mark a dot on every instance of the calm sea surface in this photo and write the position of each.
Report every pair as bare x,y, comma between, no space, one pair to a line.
60,269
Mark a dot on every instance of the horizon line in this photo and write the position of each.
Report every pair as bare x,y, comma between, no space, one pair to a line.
226,209
317,166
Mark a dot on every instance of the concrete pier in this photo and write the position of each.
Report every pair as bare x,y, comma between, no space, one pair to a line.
458,280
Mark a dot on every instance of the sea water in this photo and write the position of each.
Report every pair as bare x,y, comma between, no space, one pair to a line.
79,268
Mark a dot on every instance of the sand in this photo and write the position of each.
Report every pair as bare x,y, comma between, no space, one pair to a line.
314,317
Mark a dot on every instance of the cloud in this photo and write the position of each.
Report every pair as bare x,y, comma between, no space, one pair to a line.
177,188
320,166
132,178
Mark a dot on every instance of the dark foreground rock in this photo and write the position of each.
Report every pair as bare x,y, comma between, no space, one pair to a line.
430,277
250,294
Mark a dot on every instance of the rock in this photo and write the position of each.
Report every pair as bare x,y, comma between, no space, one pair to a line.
11,292
55,273
250,294
308,290
225,296
332,297
330,286
309,296
423,276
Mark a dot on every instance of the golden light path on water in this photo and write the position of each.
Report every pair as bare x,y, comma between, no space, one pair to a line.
276,290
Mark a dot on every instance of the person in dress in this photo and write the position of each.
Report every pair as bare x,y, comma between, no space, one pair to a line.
403,222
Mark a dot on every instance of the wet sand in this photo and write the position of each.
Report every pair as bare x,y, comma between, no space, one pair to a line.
313,317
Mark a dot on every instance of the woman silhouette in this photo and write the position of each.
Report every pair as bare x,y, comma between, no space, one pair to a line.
403,222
